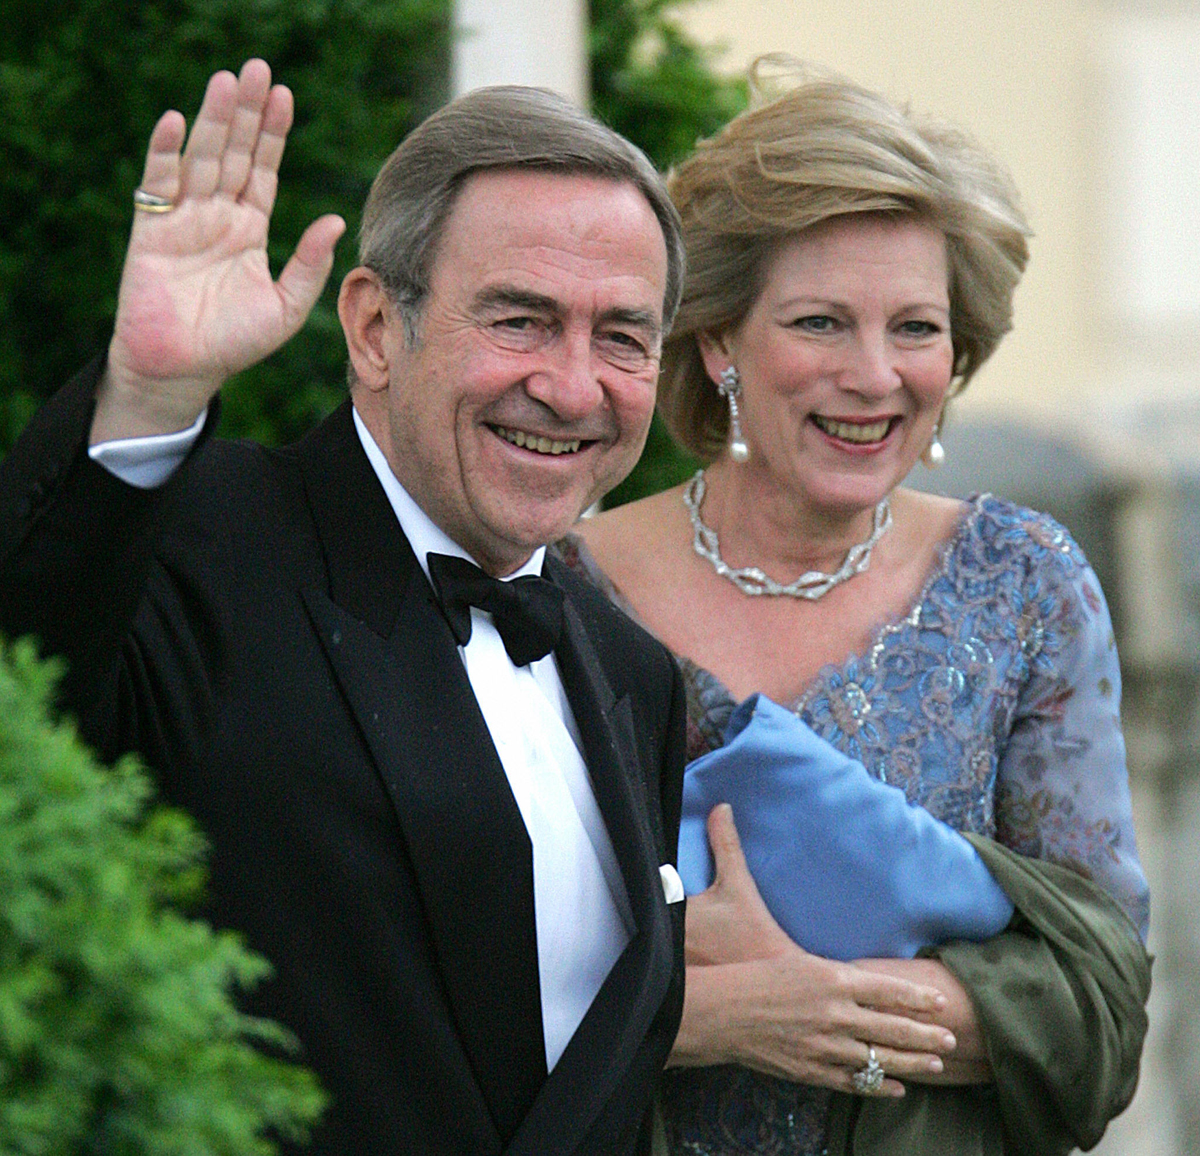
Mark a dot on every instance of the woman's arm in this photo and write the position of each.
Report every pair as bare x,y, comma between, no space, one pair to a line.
1062,791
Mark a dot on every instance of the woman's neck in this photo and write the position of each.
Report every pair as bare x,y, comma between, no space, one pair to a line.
760,524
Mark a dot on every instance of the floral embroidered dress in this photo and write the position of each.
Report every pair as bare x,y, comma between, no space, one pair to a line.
994,704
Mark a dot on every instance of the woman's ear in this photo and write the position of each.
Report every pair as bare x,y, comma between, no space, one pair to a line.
716,352
366,313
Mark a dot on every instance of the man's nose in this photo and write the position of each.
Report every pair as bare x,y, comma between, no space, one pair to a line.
568,380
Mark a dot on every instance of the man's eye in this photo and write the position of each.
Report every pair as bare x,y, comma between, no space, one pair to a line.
518,332
625,348
627,340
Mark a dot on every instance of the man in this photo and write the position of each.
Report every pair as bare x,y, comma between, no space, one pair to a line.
451,835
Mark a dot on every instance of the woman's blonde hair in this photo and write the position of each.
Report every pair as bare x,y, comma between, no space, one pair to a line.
827,148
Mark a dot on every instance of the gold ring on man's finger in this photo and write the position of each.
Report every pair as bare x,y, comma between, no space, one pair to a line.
151,202
868,1080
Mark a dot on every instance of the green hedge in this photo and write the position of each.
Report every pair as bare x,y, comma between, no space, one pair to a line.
118,1030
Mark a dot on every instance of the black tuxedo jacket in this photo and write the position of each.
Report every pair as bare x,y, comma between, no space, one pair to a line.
259,629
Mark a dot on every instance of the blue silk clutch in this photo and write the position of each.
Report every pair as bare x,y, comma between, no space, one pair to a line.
846,865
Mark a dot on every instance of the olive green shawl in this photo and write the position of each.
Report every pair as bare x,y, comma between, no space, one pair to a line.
1060,997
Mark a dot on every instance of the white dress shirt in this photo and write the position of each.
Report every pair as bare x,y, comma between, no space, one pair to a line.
581,908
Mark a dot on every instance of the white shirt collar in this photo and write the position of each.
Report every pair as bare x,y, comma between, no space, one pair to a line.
423,533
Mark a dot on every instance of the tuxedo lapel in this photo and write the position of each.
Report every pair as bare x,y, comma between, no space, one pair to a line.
400,671
617,1021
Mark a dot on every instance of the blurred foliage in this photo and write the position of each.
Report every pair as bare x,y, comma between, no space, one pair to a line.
118,1030
82,82
657,87
652,83
81,85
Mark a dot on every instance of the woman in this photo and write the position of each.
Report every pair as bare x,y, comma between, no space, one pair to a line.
850,269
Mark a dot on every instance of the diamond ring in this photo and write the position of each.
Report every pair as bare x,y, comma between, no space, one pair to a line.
867,1081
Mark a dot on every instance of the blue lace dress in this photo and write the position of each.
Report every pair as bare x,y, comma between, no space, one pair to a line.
994,703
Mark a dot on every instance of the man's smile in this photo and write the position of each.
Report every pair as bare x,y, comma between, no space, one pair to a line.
538,443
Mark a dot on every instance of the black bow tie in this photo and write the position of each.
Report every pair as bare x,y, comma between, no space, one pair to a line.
527,611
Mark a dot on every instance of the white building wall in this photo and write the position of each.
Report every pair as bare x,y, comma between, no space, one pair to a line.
537,42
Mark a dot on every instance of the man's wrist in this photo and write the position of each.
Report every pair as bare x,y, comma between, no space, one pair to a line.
127,409
147,461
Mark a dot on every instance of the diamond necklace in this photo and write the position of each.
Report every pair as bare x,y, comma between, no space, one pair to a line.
751,580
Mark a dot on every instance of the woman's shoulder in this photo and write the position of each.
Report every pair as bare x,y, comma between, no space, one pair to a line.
629,545
1006,555
1000,531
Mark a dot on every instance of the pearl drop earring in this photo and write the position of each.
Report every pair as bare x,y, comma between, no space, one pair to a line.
730,386
935,453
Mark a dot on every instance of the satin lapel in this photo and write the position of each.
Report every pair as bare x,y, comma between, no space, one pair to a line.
610,1035
400,671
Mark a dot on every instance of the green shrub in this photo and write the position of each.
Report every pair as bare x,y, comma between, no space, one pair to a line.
118,1031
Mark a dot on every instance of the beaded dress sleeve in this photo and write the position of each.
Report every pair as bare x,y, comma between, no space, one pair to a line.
1062,792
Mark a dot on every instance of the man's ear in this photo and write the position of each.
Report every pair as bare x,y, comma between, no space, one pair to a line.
365,313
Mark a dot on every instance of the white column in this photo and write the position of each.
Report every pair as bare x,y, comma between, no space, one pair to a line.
1150,167
536,42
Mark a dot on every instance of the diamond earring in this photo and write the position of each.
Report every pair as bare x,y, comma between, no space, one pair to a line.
730,386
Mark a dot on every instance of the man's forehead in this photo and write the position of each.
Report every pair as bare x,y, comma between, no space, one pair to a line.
533,202
524,179
523,236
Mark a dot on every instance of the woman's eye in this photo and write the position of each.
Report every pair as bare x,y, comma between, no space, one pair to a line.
920,328
817,323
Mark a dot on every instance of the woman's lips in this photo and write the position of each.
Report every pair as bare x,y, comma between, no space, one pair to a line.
856,432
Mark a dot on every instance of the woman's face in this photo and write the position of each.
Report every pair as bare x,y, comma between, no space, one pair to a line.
845,359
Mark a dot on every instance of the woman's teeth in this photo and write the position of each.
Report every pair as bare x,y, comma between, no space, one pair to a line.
845,431
541,445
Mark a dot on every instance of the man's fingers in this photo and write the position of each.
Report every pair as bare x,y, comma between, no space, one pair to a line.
305,274
262,180
230,103
201,166
241,143
160,175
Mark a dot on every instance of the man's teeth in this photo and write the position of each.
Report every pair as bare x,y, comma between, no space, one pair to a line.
541,445
873,432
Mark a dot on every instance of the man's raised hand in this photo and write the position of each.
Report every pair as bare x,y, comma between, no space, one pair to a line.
197,302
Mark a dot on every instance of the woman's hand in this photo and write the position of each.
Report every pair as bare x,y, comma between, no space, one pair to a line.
197,302
969,1063
729,923
755,998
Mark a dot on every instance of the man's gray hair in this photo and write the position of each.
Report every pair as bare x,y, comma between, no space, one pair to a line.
507,127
